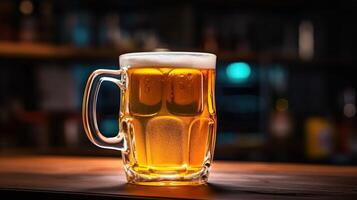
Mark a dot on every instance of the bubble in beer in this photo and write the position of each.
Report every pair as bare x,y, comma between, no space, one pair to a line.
186,88
166,141
145,91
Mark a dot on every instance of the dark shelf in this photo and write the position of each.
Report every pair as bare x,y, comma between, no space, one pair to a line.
43,51
47,52
254,4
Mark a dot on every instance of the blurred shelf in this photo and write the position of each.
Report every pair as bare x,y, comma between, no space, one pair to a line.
48,52
291,59
80,150
261,57
43,51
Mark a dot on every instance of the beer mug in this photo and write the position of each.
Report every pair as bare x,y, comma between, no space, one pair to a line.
167,117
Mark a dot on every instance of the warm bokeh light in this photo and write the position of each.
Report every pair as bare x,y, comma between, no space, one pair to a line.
282,105
26,7
349,110
306,40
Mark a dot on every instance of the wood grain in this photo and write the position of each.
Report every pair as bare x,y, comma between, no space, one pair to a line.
89,178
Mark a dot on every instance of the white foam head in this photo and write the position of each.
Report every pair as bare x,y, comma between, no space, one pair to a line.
168,59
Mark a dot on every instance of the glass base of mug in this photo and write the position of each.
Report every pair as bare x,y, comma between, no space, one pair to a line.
167,183
155,179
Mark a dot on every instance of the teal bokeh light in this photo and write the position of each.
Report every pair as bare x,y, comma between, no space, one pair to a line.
109,127
238,71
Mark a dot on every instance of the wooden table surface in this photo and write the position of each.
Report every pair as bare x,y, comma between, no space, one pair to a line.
59,177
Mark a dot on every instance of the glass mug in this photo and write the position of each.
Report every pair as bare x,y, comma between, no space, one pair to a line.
167,117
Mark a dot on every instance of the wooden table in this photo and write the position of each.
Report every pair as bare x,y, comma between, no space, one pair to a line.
56,177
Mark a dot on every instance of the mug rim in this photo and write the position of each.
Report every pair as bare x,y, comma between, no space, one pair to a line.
156,53
188,59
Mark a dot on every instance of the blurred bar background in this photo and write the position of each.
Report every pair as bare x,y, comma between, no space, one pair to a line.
286,81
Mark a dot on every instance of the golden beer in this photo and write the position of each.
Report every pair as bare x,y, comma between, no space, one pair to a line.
167,117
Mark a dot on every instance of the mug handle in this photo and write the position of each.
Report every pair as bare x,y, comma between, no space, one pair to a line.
89,108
